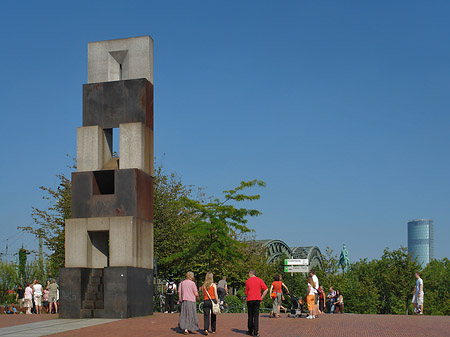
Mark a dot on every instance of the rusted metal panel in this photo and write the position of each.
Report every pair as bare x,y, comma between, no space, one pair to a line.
108,104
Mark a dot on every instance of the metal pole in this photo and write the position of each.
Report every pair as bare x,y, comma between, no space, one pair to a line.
292,282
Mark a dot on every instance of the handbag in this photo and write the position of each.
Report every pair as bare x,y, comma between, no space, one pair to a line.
215,306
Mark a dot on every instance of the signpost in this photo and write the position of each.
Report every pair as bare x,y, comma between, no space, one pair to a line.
296,262
295,266
296,269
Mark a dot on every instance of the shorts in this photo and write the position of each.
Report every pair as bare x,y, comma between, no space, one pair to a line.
38,300
52,299
27,303
21,302
418,299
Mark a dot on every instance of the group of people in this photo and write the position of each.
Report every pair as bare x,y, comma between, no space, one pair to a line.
187,296
255,291
336,301
212,295
35,298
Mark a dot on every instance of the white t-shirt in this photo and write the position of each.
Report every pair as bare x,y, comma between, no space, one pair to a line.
311,289
37,289
419,282
316,281
28,293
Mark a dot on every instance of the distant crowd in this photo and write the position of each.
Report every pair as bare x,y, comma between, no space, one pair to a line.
35,299
255,290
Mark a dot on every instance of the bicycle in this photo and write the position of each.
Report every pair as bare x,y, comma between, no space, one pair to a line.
159,302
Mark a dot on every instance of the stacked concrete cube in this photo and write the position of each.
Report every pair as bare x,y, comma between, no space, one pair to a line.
111,229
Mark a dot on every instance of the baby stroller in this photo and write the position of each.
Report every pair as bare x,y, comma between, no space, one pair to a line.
296,307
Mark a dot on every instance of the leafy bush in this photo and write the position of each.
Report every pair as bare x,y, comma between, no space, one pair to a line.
234,302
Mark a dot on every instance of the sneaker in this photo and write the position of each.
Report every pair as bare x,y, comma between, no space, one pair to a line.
166,312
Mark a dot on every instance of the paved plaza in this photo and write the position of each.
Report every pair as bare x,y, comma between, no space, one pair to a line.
162,325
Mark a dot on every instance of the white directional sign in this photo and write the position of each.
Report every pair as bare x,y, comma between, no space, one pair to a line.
296,269
296,262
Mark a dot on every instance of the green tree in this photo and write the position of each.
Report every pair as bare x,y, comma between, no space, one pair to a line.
51,221
9,279
170,215
216,231
362,296
394,280
22,262
436,278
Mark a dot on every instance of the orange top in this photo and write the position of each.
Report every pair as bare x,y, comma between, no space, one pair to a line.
210,292
277,286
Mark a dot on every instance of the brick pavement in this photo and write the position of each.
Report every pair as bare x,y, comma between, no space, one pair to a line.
162,325
11,320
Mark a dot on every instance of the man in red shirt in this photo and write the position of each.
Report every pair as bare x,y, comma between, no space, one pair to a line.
253,287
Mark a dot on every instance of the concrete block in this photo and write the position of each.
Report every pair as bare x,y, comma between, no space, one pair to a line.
93,148
77,242
145,244
120,59
136,147
122,241
133,195
98,224
108,104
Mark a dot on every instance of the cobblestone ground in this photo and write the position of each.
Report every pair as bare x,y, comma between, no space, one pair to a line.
236,325
12,320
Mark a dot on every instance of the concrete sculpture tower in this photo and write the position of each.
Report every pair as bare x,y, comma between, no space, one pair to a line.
109,239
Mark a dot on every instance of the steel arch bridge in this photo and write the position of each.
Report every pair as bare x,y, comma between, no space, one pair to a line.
276,249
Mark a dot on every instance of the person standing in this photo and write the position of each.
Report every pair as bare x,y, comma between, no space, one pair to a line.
20,296
37,293
314,277
187,293
28,298
332,297
45,298
310,298
418,295
253,287
210,295
53,296
339,302
171,289
222,289
321,300
276,292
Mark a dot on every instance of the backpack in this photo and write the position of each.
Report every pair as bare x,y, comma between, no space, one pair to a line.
170,288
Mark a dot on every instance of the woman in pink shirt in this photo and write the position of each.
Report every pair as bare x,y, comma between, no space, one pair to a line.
187,293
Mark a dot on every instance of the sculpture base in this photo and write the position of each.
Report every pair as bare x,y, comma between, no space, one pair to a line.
110,292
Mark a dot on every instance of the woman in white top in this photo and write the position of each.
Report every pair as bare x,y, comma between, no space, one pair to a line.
339,304
310,297
37,293
28,296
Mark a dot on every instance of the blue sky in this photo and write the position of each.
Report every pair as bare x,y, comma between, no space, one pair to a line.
342,107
